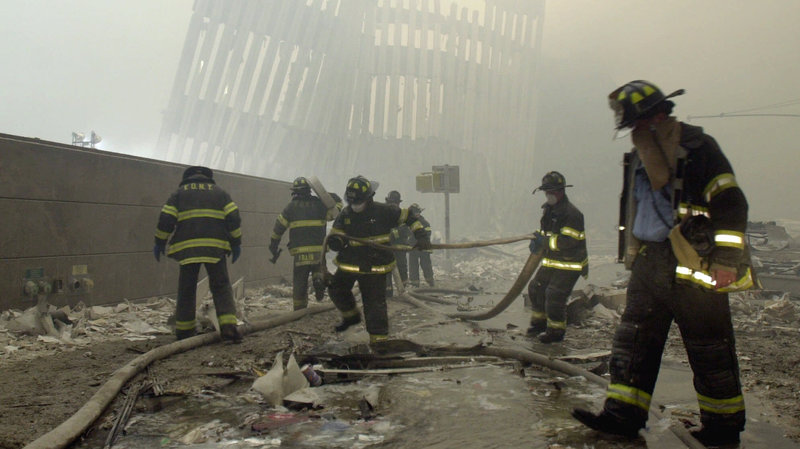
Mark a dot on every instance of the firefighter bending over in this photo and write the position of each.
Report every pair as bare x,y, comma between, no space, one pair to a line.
305,217
563,242
206,227
356,262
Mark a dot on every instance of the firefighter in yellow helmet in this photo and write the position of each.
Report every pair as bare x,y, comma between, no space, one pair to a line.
562,240
367,219
682,227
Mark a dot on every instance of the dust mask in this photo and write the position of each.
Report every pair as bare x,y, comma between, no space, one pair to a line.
358,208
551,199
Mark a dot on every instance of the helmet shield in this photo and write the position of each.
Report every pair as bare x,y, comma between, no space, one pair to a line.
358,190
300,185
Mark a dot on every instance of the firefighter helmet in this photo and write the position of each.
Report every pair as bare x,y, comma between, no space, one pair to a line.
415,210
393,197
553,181
358,190
198,170
636,100
300,185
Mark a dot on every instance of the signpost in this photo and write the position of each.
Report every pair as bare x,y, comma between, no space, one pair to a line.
444,179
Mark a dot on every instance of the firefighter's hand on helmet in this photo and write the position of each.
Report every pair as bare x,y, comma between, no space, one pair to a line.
337,243
423,244
537,242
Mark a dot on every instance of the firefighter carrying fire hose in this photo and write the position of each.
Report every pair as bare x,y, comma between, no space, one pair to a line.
367,265
305,217
563,241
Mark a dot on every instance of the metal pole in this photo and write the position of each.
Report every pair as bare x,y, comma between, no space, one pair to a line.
447,222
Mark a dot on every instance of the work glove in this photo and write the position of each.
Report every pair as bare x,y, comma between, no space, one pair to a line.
337,243
158,250
423,244
321,280
236,251
273,248
538,242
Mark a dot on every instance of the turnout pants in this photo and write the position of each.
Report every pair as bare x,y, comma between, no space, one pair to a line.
373,296
549,291
303,267
402,268
654,300
416,260
220,286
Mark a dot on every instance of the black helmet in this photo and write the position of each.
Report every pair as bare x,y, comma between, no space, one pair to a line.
198,170
300,185
358,190
415,210
635,100
552,181
393,197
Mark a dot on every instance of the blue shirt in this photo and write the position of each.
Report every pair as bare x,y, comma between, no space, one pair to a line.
648,225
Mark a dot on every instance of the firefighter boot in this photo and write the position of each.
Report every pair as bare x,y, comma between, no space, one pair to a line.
551,335
717,436
537,327
181,334
230,333
607,423
347,322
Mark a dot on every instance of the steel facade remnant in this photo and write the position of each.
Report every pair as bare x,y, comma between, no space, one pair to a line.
270,88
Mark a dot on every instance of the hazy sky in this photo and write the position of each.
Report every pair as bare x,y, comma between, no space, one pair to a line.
109,65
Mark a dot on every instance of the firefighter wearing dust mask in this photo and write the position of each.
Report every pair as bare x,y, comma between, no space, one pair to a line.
564,259
682,229
358,262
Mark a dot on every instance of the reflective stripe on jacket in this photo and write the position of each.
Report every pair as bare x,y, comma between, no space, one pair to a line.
562,223
204,219
374,223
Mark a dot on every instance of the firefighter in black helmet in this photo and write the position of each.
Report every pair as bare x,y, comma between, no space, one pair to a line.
562,239
420,258
205,226
306,219
400,235
356,262
675,175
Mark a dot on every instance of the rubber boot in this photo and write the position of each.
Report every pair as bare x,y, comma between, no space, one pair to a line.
552,335
347,322
717,436
536,328
606,423
183,334
230,333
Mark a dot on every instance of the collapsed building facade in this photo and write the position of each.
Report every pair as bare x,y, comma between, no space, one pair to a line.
383,88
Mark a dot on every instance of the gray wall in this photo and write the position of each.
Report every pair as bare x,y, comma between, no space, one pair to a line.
84,219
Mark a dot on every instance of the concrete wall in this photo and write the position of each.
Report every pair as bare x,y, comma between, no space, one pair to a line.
82,222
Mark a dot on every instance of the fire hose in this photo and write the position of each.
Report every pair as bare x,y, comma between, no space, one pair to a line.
522,279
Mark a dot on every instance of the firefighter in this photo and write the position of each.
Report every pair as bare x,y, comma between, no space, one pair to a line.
675,176
356,262
400,235
420,258
564,260
206,227
305,217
